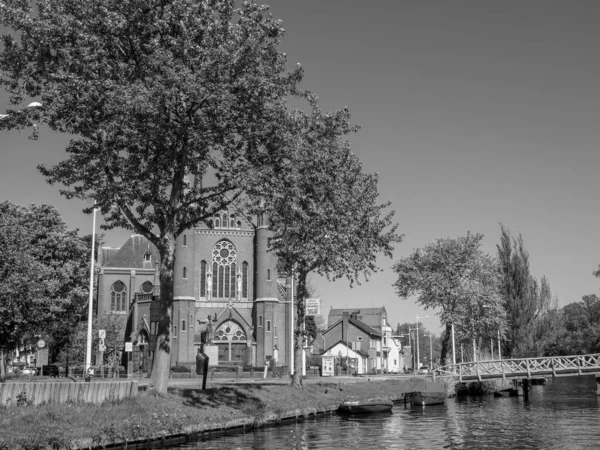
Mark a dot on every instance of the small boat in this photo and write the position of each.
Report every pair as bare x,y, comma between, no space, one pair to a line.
432,394
365,406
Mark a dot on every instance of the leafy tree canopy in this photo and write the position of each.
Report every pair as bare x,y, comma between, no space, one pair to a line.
454,277
172,105
44,268
322,208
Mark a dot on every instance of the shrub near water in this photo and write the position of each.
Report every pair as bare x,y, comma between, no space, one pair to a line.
152,415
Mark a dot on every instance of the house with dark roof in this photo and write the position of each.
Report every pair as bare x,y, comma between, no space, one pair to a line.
359,337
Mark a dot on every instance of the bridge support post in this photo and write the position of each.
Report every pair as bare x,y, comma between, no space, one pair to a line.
522,387
598,384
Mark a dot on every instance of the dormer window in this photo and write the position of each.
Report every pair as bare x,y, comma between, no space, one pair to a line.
147,257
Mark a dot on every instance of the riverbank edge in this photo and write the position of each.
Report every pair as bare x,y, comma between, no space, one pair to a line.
196,432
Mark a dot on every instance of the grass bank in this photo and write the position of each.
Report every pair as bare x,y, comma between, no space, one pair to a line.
181,411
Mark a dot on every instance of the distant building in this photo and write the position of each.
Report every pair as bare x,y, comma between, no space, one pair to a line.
228,295
352,334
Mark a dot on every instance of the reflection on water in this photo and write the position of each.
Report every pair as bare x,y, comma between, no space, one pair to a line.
563,414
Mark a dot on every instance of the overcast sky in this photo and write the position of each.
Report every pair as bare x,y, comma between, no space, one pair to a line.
472,112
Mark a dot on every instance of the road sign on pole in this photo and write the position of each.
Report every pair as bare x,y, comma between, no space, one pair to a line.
313,306
128,346
102,334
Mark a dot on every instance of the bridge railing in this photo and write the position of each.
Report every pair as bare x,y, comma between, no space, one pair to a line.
480,370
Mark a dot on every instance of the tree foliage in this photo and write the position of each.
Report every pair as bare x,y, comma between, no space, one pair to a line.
454,277
171,104
323,209
43,272
526,300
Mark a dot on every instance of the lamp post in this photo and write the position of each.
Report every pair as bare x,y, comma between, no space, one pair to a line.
412,350
418,359
88,353
292,325
430,351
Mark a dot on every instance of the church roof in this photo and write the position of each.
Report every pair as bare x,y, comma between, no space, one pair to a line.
131,254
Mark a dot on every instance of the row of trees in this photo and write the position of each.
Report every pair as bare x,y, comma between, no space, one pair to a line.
44,269
179,108
485,298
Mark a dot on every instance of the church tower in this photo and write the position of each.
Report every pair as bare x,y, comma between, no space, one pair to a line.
269,312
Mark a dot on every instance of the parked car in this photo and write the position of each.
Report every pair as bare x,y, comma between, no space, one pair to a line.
423,371
28,370
49,370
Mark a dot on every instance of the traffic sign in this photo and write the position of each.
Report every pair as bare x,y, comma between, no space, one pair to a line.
128,346
313,306
101,347
41,343
102,334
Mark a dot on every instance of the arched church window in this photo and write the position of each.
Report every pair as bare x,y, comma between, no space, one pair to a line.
217,222
184,240
185,272
118,297
147,287
230,331
225,221
239,224
203,279
268,274
224,266
244,279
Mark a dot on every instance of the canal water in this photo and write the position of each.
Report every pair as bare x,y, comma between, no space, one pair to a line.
564,414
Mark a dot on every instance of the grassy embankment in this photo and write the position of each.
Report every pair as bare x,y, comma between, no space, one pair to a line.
152,415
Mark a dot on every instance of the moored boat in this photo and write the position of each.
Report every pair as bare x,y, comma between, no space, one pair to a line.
431,394
365,406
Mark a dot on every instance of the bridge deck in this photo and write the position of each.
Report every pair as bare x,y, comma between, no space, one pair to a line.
523,367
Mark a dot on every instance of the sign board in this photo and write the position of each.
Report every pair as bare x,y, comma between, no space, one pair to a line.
101,347
102,334
128,346
41,343
313,306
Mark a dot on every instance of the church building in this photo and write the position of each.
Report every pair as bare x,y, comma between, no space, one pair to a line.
228,296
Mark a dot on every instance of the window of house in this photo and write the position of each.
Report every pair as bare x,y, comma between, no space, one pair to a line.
147,257
118,297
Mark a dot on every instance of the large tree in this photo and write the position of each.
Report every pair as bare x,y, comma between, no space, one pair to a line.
171,104
44,268
323,209
525,299
454,277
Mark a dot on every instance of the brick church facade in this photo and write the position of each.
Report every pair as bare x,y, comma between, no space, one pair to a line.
228,296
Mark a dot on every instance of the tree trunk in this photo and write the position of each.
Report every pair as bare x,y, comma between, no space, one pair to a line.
299,331
446,345
2,368
161,364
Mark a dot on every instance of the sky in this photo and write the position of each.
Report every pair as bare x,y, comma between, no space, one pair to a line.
473,113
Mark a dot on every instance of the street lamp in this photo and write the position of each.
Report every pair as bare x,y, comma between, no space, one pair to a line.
430,351
418,359
88,352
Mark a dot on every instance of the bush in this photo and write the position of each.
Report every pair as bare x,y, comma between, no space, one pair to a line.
180,369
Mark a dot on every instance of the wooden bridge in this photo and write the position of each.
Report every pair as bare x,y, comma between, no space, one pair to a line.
522,368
